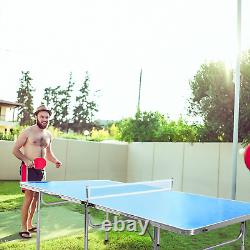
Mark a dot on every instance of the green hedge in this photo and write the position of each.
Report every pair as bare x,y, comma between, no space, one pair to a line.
153,126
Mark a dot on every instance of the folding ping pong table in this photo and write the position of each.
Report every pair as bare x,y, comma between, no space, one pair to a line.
152,202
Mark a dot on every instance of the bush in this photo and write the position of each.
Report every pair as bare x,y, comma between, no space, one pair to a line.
115,132
99,135
178,131
10,136
153,126
146,126
7,136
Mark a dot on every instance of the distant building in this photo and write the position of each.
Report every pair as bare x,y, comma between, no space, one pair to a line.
8,115
104,123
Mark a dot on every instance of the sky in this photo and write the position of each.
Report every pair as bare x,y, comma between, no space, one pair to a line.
113,40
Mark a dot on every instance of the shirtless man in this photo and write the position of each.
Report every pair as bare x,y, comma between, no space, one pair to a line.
35,142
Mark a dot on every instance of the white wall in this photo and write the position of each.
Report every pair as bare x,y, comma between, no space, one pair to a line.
9,165
113,162
140,161
203,168
168,162
80,160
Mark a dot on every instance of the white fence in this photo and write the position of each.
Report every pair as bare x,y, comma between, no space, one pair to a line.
204,168
80,160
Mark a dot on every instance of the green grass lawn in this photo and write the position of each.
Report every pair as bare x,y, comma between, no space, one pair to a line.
11,201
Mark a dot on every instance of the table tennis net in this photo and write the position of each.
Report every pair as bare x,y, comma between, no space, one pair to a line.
125,189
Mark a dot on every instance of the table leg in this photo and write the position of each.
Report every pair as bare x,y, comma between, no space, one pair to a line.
242,236
38,221
156,241
106,231
86,227
243,230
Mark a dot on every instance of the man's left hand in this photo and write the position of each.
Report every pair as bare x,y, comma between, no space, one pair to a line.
58,164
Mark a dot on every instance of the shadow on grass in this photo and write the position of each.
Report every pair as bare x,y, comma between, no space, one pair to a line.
11,237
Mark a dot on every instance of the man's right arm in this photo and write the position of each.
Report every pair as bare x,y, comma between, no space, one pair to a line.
20,142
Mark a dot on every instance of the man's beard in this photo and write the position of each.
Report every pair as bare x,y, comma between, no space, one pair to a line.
40,125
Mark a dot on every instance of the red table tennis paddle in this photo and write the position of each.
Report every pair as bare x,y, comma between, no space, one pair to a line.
39,163
247,156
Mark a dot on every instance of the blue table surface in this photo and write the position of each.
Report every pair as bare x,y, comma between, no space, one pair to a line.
181,210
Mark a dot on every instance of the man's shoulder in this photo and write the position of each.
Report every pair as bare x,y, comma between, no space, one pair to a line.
27,129
48,133
31,128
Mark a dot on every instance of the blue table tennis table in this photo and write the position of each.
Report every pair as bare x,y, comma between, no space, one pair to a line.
153,201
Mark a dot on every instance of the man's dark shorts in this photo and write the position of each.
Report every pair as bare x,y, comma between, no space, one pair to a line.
33,174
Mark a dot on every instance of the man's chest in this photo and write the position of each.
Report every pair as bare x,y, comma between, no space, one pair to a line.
40,140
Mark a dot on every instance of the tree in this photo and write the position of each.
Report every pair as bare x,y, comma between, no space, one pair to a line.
58,100
244,116
213,100
25,96
52,101
84,109
65,104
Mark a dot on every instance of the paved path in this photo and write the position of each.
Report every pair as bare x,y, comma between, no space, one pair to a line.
56,221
